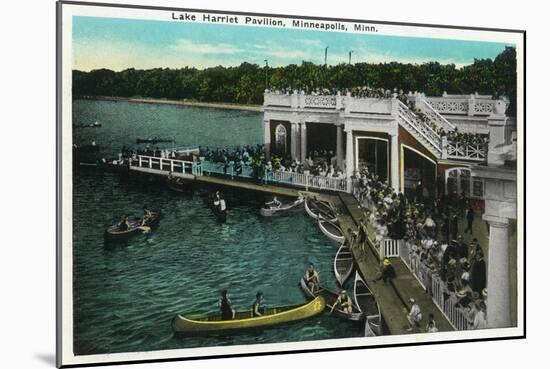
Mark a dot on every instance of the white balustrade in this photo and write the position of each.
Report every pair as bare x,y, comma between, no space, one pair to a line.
458,150
434,115
320,101
310,181
390,248
176,166
420,127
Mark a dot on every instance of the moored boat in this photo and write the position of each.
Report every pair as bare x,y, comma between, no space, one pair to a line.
269,211
343,263
332,231
367,304
213,323
136,225
330,299
319,209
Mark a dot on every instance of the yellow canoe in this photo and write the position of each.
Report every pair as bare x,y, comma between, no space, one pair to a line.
244,319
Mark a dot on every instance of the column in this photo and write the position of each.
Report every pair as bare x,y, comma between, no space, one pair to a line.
303,139
394,163
350,160
293,140
498,273
339,146
267,137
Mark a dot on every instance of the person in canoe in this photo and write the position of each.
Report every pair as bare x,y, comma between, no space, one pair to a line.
312,279
257,309
124,223
343,302
228,313
275,203
147,214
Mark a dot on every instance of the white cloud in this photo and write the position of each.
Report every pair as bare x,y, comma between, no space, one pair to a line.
194,47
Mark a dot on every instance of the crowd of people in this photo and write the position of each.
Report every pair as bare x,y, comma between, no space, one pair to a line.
321,163
430,228
467,138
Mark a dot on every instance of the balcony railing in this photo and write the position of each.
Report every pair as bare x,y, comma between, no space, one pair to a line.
458,150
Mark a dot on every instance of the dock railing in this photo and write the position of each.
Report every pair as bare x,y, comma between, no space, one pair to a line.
164,164
309,181
237,170
430,280
389,248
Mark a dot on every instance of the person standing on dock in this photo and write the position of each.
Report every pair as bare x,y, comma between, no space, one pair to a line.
414,316
388,272
470,215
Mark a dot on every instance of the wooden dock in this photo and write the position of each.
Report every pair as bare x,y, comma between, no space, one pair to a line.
249,186
392,298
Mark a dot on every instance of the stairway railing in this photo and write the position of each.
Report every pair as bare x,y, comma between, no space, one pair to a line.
433,114
432,137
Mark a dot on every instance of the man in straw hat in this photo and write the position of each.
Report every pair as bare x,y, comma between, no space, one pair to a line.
388,272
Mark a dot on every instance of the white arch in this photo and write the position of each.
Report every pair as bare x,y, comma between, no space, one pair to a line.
280,137
463,175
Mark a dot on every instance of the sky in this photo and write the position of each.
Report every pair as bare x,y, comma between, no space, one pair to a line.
119,44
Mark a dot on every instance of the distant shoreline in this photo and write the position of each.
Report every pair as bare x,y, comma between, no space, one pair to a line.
225,106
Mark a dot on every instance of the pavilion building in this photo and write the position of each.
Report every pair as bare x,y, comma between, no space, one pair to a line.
406,141
385,135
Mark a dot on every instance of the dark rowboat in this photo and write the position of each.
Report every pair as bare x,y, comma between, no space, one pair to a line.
213,323
367,304
179,184
319,209
343,263
330,299
267,211
332,230
154,140
135,227
95,124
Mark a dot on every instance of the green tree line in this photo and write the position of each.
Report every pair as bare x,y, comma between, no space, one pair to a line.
245,83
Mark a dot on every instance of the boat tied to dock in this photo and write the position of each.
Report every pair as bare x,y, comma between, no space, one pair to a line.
331,230
318,209
367,304
343,263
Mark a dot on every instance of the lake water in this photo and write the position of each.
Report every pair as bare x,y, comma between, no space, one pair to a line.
126,294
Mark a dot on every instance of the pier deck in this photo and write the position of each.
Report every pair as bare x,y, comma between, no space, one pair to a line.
258,187
392,299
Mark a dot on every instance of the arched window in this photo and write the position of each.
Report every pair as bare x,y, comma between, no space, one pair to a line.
458,180
280,138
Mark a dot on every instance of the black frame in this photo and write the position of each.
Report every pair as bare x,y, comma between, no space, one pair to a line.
59,158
